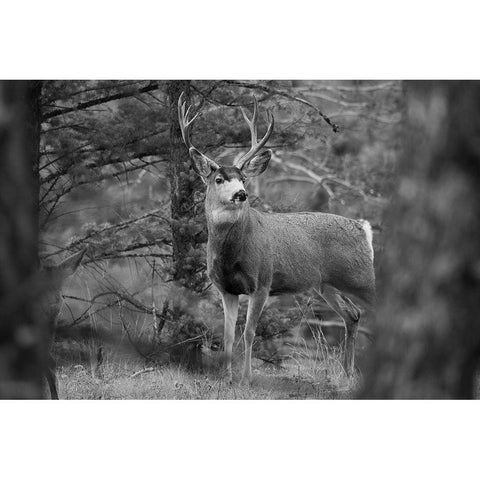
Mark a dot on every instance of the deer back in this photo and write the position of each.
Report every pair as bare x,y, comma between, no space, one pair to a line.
290,252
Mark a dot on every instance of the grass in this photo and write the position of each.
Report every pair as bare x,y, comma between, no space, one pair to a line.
176,383
123,339
303,375
310,369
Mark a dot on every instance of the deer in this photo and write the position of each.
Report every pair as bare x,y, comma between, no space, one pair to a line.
266,254
51,303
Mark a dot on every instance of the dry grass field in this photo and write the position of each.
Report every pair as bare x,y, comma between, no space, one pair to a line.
123,375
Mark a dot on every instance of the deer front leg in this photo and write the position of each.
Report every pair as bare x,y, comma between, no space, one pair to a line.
230,309
255,306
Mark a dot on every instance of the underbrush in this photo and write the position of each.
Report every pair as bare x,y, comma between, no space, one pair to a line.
96,370
115,347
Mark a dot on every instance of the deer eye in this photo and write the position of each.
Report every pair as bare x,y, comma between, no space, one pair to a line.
219,180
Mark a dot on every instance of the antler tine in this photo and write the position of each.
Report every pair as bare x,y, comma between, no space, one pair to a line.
188,110
183,120
252,123
256,146
255,115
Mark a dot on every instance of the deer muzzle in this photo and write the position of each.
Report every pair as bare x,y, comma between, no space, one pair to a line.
241,196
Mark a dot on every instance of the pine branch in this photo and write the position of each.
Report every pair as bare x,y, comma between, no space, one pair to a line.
99,101
102,177
117,227
132,255
128,251
112,160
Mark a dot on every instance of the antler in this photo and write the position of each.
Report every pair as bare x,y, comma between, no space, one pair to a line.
256,146
184,121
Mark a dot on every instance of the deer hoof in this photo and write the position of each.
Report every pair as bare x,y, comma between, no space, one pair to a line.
246,382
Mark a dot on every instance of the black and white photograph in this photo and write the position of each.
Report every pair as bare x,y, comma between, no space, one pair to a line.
224,239
239,240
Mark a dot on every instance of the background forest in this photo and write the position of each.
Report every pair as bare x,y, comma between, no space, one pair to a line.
115,179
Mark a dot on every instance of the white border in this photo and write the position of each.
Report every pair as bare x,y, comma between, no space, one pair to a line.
239,439
248,39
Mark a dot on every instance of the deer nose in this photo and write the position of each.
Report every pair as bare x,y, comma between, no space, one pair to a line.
241,195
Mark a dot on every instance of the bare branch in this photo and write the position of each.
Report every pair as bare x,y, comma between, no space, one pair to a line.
359,88
141,372
331,323
342,103
321,179
291,178
274,91
126,297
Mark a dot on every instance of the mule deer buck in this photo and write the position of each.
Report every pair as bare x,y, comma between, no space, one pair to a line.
261,254
51,304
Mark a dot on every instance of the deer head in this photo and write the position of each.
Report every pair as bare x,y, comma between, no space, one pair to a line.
226,184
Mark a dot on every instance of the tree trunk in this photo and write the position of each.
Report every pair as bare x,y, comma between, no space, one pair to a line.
188,229
22,333
428,334
183,184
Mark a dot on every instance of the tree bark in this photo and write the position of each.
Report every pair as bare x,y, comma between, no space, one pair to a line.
183,185
428,334
23,350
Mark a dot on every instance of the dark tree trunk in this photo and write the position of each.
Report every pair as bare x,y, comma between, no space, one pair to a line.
183,183
34,130
428,335
188,230
22,333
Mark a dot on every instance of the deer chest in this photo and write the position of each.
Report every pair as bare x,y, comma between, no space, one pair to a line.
234,277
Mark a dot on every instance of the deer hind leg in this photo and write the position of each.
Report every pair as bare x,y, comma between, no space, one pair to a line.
230,309
351,316
255,307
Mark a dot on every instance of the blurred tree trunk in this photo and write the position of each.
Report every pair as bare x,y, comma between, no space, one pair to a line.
428,334
22,335
183,184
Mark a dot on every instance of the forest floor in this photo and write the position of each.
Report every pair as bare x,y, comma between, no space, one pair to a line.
126,377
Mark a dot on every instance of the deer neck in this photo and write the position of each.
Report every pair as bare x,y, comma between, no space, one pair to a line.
226,223
220,216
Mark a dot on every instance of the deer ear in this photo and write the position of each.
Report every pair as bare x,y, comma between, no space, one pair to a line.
258,164
201,163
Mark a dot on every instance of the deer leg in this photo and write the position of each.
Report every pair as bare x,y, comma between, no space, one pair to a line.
255,306
350,314
230,309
